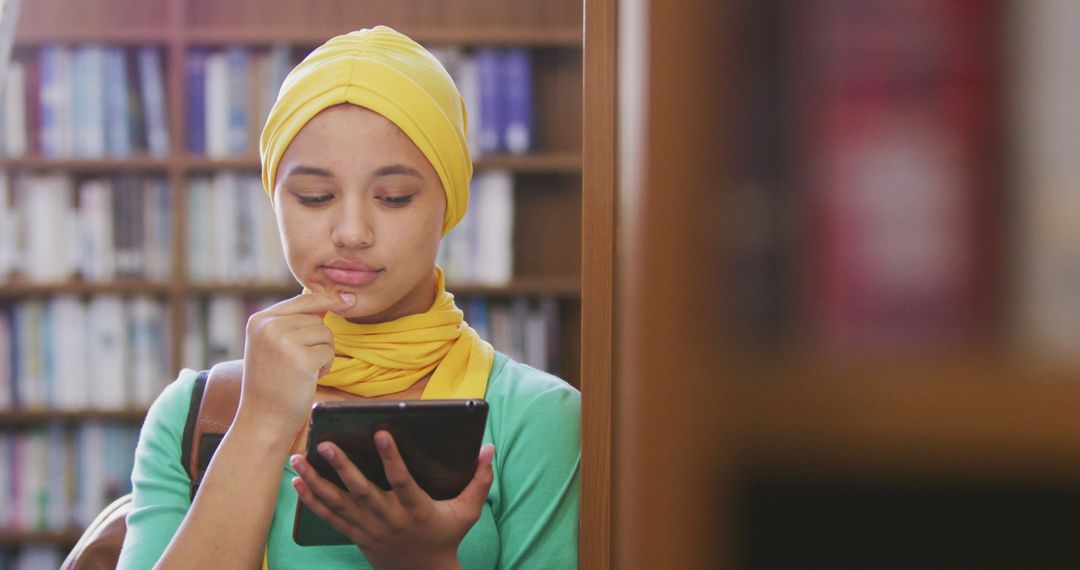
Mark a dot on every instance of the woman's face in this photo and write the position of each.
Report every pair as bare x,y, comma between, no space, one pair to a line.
360,210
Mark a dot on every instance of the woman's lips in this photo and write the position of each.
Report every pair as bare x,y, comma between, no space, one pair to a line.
346,276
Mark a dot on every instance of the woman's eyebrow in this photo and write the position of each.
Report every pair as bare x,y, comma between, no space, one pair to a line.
312,170
398,169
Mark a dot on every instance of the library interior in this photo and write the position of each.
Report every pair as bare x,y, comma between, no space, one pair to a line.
814,267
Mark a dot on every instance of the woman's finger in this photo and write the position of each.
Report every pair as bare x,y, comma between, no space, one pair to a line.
335,497
324,512
357,484
314,334
476,492
408,493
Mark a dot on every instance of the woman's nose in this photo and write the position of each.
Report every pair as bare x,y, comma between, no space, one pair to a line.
353,229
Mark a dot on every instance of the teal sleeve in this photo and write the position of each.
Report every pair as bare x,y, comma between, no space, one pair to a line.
539,461
160,485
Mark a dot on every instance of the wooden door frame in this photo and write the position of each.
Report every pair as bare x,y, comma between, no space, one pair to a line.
598,217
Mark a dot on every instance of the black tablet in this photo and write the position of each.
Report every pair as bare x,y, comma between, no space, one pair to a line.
439,441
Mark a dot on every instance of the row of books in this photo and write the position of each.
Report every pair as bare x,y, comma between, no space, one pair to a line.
54,227
87,101
497,86
522,327
229,93
480,249
58,477
232,233
31,556
70,353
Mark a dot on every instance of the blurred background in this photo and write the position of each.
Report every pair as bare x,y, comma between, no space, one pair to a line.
847,297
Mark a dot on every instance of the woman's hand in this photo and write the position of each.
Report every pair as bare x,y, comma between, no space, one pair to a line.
400,528
287,349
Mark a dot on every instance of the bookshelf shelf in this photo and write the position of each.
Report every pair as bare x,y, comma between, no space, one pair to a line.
536,163
58,538
538,37
972,417
18,417
14,290
31,38
88,165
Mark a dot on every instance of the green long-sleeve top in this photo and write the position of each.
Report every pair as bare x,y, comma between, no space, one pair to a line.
529,520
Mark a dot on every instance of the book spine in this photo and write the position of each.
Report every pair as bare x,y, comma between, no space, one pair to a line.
238,62
195,96
491,112
516,65
152,85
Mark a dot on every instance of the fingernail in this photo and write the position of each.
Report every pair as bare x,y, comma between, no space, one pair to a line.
382,441
326,451
297,464
349,298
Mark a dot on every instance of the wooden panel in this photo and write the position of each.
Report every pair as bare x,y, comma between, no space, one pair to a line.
673,444
86,19
345,15
598,280
557,84
547,226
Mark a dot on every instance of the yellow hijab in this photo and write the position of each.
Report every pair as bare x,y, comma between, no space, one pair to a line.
385,71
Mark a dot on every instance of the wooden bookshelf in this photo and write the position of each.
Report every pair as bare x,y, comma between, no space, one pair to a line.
547,180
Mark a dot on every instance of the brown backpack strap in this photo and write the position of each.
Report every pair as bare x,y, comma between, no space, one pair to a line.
216,411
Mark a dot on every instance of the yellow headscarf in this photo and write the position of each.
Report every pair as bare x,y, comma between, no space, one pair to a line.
386,72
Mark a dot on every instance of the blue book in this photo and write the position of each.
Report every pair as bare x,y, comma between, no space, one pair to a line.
195,97
477,309
491,111
117,114
50,100
516,70
239,99
88,101
152,85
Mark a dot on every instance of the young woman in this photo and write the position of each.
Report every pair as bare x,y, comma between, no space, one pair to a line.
365,162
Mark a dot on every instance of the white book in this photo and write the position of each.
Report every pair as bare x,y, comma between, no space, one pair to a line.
194,343
90,493
58,504
536,336
1047,129
217,105
493,205
108,368
224,197
29,317
9,230
97,255
6,468
200,226
225,328
246,229
88,101
69,351
15,110
47,219
147,349
157,229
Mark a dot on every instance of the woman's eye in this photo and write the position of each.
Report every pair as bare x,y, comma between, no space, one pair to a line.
396,201
314,200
